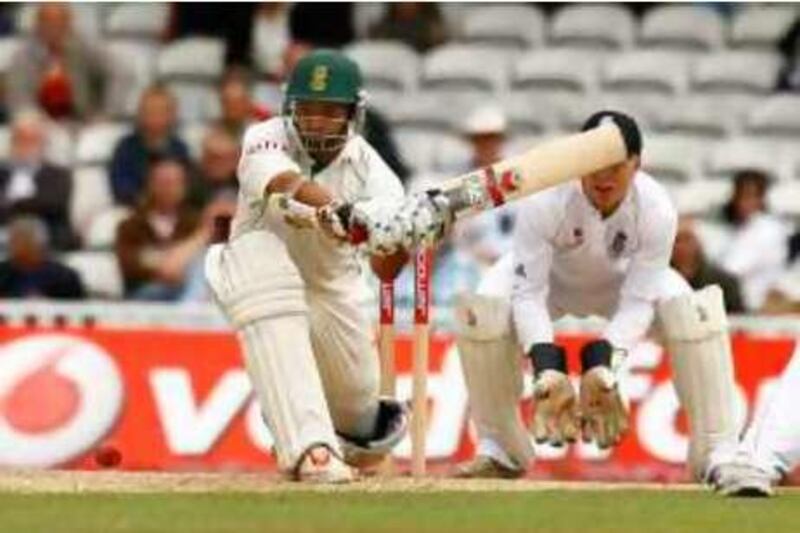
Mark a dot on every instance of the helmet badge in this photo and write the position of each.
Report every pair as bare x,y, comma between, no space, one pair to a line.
319,78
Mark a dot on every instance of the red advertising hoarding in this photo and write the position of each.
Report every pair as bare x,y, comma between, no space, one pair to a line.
177,400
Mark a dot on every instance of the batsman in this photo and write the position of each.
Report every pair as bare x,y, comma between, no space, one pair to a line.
293,292
598,246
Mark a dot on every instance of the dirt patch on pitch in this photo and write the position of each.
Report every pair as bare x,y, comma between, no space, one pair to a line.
76,482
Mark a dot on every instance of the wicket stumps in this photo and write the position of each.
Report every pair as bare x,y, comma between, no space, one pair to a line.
419,396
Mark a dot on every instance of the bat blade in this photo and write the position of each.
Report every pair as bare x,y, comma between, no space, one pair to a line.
541,167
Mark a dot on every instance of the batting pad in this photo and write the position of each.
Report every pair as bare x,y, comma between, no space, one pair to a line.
492,372
347,361
260,291
695,327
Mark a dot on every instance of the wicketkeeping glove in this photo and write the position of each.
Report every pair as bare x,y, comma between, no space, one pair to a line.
603,409
555,418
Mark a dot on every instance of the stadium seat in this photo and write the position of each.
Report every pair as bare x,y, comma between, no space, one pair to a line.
593,26
468,69
761,26
698,117
197,102
193,59
96,142
191,67
555,70
140,57
426,151
86,18
99,272
91,194
742,153
8,45
60,146
735,72
5,143
701,197
647,72
388,65
784,199
137,19
777,116
102,230
521,144
511,26
527,115
425,111
673,158
193,134
714,236
683,27
573,112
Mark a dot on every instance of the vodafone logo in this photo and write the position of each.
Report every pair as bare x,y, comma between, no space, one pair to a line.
59,395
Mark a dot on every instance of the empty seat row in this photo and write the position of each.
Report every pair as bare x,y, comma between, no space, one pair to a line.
393,67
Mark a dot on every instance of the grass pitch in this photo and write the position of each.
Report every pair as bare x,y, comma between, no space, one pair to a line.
212,503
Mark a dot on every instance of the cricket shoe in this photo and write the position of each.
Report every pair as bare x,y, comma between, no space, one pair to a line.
320,465
742,480
485,467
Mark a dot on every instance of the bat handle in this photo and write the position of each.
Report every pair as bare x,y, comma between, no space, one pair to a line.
419,397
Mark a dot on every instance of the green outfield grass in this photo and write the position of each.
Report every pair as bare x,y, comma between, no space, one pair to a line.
556,510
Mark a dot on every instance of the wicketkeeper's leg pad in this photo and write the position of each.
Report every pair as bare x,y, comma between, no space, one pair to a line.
695,328
491,362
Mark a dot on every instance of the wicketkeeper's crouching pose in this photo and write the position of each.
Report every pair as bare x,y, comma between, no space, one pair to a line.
599,246
293,293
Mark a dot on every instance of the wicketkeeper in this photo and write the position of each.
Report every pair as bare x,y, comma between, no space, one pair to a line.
596,246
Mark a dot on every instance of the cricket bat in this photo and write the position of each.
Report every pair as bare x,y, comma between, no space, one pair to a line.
547,165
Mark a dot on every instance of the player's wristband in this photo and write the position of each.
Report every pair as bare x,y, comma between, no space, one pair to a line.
548,356
596,353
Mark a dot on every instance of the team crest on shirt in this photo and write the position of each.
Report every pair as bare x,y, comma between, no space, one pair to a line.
319,78
618,244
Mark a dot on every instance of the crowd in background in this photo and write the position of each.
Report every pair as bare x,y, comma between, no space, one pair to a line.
176,202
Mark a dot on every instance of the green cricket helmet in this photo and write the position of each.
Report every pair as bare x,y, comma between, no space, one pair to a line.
326,76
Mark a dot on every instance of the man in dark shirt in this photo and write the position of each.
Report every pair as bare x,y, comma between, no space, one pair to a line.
29,184
153,138
29,272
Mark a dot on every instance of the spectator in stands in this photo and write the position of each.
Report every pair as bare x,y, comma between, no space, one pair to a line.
418,24
487,236
789,48
270,38
30,184
322,24
216,176
229,21
66,76
160,245
238,110
29,272
688,259
154,137
756,253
